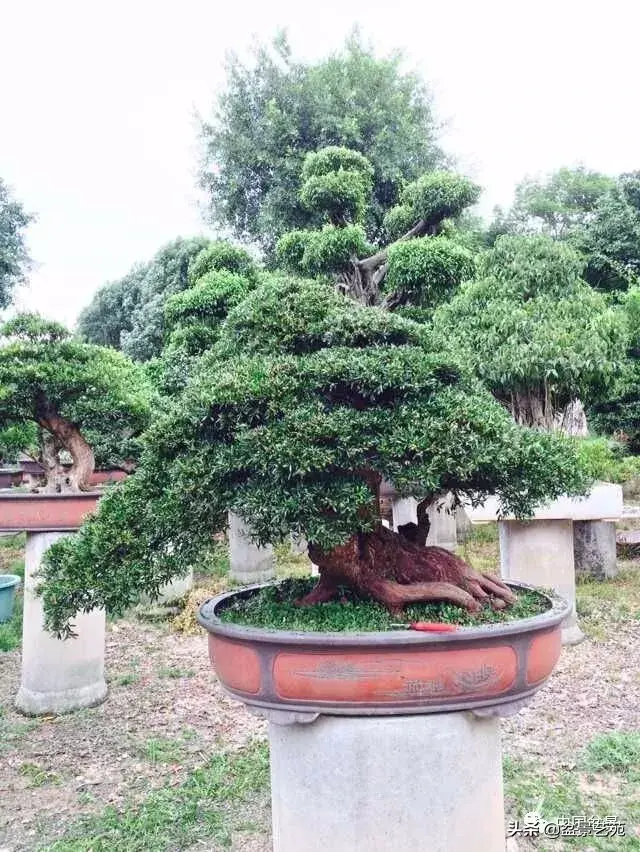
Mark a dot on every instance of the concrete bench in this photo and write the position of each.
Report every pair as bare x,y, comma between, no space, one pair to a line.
543,551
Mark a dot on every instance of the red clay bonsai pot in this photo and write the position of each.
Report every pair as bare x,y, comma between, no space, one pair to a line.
46,512
385,673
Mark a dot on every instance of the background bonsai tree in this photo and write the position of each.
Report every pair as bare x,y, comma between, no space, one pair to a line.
305,404
534,331
83,398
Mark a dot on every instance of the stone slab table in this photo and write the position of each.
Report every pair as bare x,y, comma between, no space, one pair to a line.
541,551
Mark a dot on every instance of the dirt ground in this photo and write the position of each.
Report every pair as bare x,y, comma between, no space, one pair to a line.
166,714
162,691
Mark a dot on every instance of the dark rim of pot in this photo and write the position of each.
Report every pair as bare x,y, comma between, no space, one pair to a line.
209,619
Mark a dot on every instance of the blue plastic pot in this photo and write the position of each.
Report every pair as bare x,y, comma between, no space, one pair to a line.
8,585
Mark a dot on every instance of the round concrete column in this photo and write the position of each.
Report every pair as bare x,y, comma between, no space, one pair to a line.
57,676
373,784
540,553
248,563
594,549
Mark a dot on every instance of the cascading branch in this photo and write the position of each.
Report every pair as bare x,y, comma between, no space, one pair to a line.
304,403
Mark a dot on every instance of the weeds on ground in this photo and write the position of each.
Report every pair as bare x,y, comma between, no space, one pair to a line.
228,794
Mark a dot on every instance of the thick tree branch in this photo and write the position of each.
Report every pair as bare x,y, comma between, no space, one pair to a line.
60,433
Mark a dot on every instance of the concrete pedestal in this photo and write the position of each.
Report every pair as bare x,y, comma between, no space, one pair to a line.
540,553
373,784
594,549
57,676
442,522
248,563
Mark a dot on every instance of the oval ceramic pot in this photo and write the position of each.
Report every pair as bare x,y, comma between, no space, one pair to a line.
384,673
46,512
8,585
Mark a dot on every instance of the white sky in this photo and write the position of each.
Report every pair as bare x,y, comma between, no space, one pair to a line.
97,100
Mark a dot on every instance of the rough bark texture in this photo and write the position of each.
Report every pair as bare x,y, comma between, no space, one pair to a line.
536,408
363,281
59,433
395,571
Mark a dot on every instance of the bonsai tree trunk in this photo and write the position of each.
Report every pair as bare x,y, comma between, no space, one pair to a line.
395,571
49,456
63,434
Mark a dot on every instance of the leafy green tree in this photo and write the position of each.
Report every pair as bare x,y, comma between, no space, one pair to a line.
112,309
305,403
276,110
14,259
557,206
128,314
17,439
80,397
618,414
533,331
611,239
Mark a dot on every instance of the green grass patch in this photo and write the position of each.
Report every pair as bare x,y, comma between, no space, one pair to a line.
37,776
161,750
577,793
289,563
11,733
480,549
617,751
126,679
275,607
604,604
225,796
175,672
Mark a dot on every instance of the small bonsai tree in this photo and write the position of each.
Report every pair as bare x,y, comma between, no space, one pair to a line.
83,399
534,331
305,404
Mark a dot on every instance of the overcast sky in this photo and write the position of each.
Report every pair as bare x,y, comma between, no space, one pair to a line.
97,100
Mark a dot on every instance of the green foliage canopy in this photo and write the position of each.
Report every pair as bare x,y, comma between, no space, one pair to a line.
530,326
285,424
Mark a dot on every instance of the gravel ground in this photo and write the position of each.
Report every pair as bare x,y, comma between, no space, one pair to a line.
161,689
166,713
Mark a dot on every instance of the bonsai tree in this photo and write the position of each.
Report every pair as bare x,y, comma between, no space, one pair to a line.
292,420
79,396
534,331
